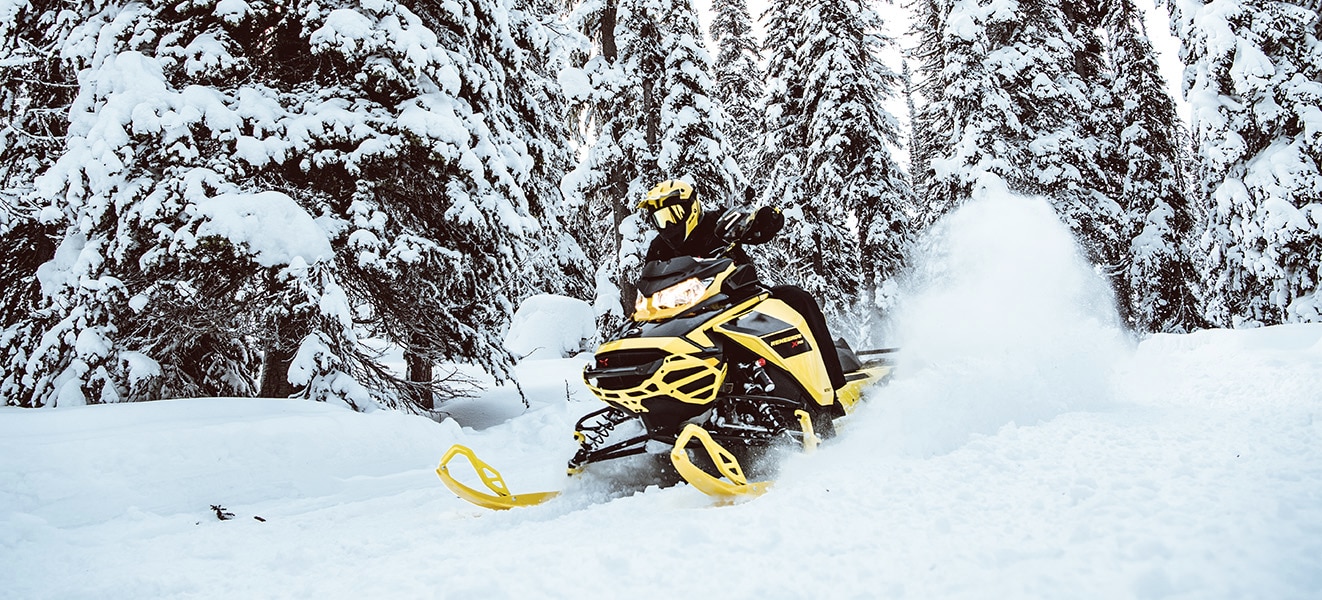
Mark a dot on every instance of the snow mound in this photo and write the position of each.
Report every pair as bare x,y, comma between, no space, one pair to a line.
548,326
1154,497
1247,369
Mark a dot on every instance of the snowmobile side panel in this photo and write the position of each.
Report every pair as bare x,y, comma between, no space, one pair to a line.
734,485
500,498
778,333
702,335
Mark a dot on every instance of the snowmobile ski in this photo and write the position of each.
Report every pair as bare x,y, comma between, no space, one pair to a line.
500,497
734,484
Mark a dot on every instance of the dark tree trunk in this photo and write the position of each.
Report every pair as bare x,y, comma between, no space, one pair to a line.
275,372
608,49
276,357
419,372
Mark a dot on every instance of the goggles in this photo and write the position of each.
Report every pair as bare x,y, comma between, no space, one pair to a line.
669,215
670,210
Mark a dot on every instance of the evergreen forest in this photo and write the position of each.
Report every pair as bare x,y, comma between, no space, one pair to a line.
241,198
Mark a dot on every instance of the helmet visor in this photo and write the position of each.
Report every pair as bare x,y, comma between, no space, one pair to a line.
668,215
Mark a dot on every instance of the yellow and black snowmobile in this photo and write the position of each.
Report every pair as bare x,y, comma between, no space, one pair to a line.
712,367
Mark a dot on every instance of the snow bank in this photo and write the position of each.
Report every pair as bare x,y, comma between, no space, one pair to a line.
78,466
549,326
1250,369
1200,481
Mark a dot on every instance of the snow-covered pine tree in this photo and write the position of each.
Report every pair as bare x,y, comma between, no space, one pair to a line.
646,116
531,109
67,349
917,163
693,146
244,176
618,157
509,51
829,146
1159,284
778,162
932,127
961,103
781,95
1253,79
36,90
738,77
458,245
1100,161
1012,94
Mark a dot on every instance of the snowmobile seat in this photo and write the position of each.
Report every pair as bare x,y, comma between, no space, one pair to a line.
849,361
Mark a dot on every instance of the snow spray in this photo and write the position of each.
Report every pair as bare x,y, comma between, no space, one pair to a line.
1001,322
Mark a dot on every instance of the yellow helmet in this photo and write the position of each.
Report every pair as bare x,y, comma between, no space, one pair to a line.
673,203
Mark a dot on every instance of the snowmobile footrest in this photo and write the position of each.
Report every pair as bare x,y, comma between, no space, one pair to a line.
734,485
500,498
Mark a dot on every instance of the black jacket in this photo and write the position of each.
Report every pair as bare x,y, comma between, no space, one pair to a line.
705,241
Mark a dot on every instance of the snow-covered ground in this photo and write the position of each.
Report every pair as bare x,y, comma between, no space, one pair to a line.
1026,449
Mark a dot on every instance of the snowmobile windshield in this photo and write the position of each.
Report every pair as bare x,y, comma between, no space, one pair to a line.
661,274
669,288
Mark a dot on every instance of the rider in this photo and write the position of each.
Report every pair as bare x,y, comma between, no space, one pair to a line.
684,230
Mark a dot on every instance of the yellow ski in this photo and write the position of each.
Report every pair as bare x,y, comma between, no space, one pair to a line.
733,486
500,497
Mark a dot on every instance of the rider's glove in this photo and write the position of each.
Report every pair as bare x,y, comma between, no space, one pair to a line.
763,225
732,225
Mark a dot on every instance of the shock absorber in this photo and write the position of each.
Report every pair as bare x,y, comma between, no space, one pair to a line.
758,380
760,376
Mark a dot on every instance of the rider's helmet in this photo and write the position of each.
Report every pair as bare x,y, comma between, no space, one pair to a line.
673,207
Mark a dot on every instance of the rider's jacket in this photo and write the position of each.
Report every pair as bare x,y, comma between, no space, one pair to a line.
705,240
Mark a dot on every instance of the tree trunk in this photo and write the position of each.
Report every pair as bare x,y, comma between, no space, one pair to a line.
608,50
275,372
276,357
617,182
419,371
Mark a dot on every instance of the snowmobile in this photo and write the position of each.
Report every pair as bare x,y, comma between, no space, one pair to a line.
711,366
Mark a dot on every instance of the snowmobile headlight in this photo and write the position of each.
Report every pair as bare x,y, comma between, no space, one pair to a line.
680,295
